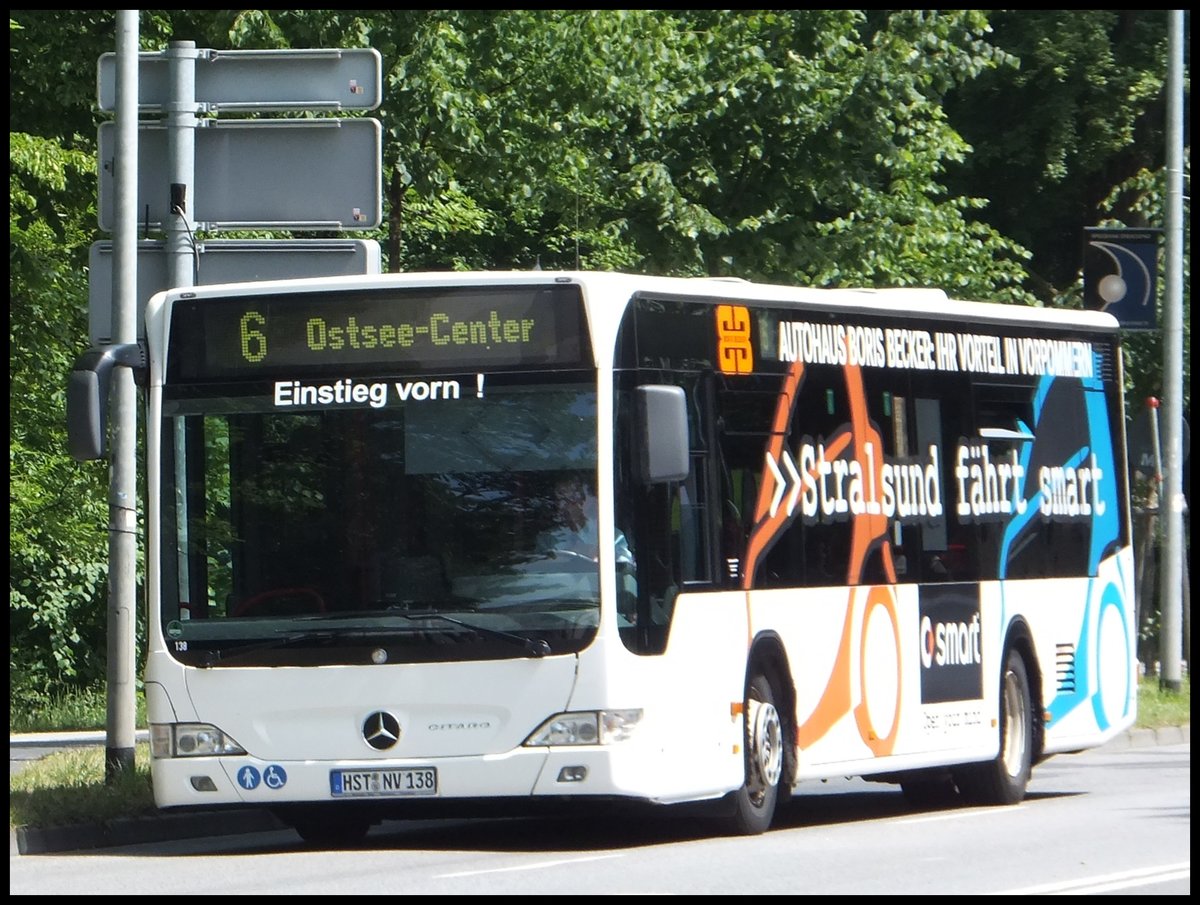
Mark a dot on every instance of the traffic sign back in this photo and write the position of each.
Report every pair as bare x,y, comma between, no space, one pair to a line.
252,80
222,261
259,173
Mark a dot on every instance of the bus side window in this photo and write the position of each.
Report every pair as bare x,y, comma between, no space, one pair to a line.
687,532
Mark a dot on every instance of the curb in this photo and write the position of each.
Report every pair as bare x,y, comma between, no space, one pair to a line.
137,830
79,739
1148,738
195,824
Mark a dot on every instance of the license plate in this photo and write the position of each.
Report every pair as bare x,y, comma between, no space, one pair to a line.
401,782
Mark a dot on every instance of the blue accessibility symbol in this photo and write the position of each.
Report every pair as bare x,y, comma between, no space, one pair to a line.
248,777
275,777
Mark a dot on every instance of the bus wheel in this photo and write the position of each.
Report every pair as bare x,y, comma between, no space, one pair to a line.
754,802
1003,780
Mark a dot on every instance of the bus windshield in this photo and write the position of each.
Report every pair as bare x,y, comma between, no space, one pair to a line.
397,529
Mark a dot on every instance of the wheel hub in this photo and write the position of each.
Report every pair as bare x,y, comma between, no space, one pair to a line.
766,743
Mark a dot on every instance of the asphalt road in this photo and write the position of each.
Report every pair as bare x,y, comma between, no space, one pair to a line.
31,841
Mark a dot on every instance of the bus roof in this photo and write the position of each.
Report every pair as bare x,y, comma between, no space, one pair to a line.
918,301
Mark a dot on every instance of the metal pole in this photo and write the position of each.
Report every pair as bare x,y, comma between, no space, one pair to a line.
1171,677
180,240
1156,444
122,499
181,154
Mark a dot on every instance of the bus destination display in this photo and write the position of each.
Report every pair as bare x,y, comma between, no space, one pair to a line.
269,335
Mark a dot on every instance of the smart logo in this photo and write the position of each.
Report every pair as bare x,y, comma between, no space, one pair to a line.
951,643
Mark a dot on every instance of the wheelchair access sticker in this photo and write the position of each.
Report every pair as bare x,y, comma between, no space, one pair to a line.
273,777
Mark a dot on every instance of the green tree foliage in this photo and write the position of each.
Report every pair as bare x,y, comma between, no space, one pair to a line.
1142,199
57,539
793,146
1073,136
1082,113
962,149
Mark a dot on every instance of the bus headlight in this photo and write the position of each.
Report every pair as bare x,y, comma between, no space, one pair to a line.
586,727
190,740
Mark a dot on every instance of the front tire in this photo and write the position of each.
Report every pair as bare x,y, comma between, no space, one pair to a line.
326,828
1003,781
754,802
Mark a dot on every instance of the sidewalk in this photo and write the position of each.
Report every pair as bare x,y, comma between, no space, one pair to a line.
193,824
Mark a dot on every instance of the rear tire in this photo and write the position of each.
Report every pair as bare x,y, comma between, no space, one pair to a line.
754,803
1003,781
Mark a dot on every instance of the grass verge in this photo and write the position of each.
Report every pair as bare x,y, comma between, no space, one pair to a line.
79,710
68,788
1158,708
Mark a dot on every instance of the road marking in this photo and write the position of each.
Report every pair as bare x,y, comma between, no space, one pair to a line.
1107,883
959,814
538,865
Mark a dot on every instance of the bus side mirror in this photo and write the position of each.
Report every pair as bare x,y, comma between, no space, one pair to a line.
663,428
87,397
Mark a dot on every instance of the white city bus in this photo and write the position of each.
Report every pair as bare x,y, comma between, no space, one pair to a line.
872,533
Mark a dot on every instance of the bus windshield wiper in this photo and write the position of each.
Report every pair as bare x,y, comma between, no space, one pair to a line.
288,637
535,647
